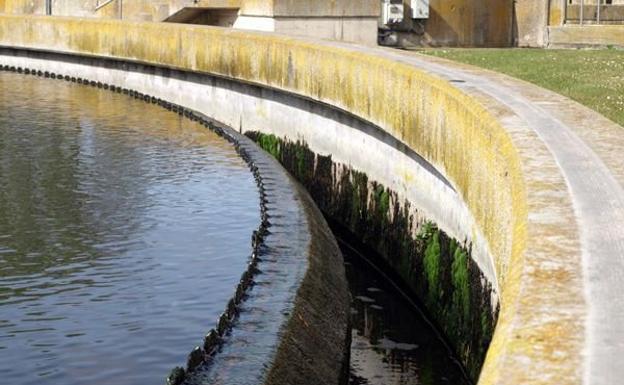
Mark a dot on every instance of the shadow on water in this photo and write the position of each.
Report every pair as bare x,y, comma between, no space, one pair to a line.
393,343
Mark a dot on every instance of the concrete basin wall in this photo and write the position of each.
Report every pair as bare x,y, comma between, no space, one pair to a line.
442,137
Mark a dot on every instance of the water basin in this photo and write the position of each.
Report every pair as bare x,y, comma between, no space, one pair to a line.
124,229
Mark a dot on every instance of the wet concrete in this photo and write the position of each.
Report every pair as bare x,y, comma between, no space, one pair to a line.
436,267
394,341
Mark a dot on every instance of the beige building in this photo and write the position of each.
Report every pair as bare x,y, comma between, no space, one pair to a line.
484,23
354,21
569,23
468,23
503,23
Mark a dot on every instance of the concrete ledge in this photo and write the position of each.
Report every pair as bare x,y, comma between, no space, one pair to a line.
583,36
544,203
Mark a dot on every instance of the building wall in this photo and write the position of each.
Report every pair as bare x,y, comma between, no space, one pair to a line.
140,10
340,8
542,23
556,12
82,8
146,10
156,8
464,23
471,23
257,7
351,29
595,2
35,7
530,21
353,21
457,23
582,36
326,19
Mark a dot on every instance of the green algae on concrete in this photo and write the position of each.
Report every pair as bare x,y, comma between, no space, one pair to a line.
437,268
431,265
461,281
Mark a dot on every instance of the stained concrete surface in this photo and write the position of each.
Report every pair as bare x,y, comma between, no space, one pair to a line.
594,178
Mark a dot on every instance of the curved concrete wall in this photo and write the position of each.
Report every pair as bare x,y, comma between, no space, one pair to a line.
505,180
380,91
325,130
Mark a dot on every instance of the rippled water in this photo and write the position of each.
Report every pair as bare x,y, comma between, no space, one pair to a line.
123,231
392,343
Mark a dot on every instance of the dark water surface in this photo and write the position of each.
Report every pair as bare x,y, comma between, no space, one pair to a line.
124,229
392,343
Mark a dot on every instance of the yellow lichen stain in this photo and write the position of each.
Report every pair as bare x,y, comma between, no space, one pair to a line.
460,22
555,16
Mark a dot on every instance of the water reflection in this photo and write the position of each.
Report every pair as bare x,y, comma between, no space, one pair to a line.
392,344
123,231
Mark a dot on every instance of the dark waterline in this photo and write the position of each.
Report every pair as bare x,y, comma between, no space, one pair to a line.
392,343
124,229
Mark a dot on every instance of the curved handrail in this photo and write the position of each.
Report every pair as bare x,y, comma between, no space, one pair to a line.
99,6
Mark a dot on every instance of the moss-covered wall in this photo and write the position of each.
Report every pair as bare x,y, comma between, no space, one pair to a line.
438,269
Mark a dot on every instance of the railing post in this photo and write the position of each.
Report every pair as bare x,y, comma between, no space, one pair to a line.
598,12
581,14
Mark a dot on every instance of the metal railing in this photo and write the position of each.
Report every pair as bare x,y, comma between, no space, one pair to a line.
99,4
594,12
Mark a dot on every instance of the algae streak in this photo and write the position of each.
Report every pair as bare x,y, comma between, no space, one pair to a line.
437,268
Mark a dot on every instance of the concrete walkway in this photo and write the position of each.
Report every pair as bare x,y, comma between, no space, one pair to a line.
588,149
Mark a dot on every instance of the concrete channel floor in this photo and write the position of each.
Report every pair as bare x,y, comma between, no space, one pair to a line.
588,150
